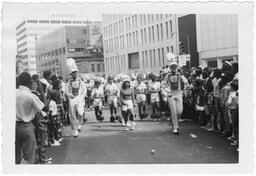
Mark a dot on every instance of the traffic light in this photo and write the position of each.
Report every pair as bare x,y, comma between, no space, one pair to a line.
181,47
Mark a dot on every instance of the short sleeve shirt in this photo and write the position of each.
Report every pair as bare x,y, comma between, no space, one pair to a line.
27,104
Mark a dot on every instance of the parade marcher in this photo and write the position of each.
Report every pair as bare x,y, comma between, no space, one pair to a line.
57,113
27,105
97,96
154,89
76,92
140,92
40,122
127,100
164,95
112,91
173,81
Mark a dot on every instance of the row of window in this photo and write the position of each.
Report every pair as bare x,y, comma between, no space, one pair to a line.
132,20
153,58
147,35
21,38
55,52
22,51
116,63
131,23
49,64
150,58
54,21
22,44
21,31
20,25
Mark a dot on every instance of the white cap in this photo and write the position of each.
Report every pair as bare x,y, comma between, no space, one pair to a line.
171,59
71,65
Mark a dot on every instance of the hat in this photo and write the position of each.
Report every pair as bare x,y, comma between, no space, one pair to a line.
140,76
97,80
171,59
110,77
71,65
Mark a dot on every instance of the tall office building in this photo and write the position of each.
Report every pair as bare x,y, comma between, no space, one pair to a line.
53,49
138,42
217,39
29,30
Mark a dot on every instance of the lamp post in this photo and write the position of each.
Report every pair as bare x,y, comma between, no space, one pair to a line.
188,44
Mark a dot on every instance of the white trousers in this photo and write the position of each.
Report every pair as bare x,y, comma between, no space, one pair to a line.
176,108
76,111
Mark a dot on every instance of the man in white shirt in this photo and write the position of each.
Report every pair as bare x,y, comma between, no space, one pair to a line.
27,105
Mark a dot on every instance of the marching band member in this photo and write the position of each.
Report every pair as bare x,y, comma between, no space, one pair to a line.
76,92
140,92
127,100
112,92
154,89
173,81
97,96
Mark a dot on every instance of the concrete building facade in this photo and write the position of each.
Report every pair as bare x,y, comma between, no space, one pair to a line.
138,42
29,30
53,49
217,39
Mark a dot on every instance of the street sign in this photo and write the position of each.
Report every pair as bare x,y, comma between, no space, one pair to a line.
182,60
187,57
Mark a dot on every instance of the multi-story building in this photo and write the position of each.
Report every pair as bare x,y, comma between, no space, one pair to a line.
217,39
138,42
28,31
53,49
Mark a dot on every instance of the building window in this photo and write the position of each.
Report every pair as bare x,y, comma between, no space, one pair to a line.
56,52
154,57
153,34
145,36
98,67
150,57
137,42
31,21
143,61
146,58
167,32
52,53
64,50
170,26
141,31
55,21
157,27
171,49
66,22
159,56
149,34
163,56
161,29
167,49
92,67
43,21
144,19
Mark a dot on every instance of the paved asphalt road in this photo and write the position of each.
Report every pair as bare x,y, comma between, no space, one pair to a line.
110,143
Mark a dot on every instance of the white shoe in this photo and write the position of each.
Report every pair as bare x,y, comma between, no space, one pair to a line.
128,124
56,143
133,128
75,134
133,124
61,139
80,128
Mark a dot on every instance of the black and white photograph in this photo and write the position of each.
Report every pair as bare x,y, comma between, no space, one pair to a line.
116,84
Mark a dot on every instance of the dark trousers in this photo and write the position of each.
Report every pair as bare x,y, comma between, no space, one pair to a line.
98,112
127,115
112,109
25,143
235,126
142,107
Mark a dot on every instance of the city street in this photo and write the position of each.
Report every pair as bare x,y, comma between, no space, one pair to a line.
110,143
